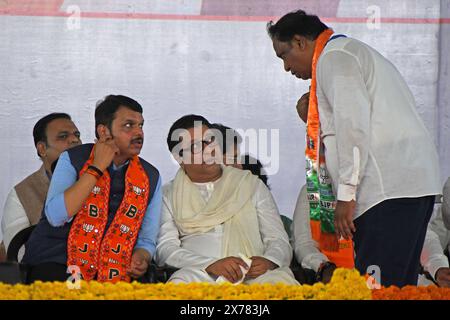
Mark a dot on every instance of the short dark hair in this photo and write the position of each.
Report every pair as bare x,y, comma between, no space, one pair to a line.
40,128
297,22
248,163
185,122
106,110
229,137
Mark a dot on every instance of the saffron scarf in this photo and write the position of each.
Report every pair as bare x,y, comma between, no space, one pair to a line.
108,256
322,201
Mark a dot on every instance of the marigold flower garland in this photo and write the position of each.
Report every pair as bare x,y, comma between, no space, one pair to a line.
412,293
345,285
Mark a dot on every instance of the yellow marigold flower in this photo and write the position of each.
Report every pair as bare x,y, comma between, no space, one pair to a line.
345,284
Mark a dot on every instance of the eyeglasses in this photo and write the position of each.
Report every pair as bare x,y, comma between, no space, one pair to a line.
198,146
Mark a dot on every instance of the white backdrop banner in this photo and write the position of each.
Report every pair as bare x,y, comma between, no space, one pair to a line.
209,57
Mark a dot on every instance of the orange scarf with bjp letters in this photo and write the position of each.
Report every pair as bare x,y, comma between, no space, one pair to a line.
319,186
106,257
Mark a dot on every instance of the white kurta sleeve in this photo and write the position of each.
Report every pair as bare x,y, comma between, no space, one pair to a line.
168,249
14,218
274,237
437,239
340,79
306,249
446,203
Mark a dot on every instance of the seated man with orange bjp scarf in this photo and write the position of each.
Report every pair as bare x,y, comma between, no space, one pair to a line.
218,223
102,212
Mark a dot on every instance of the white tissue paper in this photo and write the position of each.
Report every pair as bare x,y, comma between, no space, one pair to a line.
248,262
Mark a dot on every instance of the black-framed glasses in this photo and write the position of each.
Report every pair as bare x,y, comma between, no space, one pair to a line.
199,145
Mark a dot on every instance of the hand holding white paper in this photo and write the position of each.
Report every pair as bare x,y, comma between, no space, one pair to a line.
248,261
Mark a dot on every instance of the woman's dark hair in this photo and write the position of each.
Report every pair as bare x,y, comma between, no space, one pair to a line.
255,166
297,22
229,137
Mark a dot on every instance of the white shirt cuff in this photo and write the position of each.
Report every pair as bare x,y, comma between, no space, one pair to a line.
313,261
436,263
278,262
204,265
346,193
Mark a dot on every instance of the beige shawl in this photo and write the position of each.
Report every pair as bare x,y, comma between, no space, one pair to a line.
231,204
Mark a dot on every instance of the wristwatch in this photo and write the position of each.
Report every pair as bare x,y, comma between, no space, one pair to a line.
323,266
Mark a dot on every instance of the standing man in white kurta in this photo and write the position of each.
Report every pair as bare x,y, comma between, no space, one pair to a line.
214,216
382,161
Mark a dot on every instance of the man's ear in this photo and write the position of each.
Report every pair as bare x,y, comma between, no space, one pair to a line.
41,149
103,131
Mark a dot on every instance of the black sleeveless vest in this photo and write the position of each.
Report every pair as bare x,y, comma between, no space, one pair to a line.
48,243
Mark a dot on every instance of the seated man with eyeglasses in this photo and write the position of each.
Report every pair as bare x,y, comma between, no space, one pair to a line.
218,223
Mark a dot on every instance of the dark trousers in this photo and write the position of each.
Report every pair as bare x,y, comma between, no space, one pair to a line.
48,272
51,271
390,235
